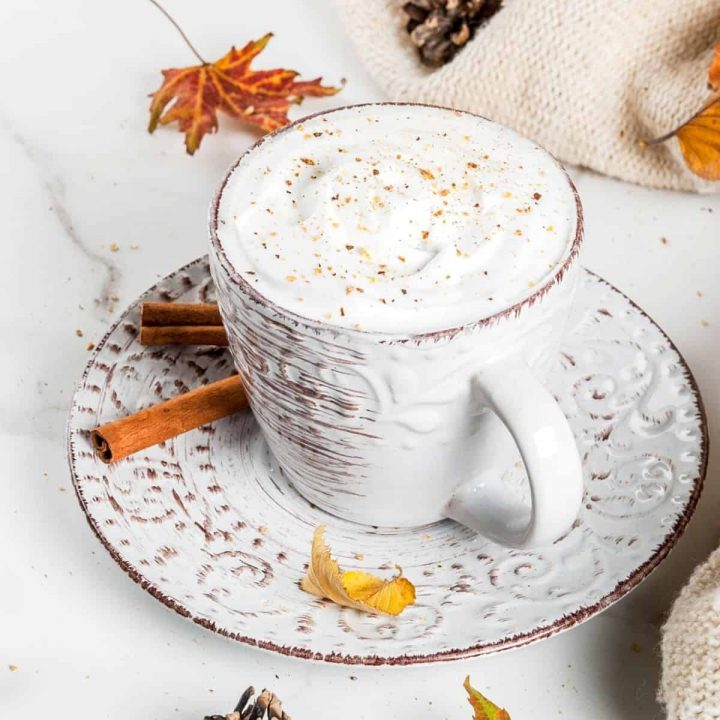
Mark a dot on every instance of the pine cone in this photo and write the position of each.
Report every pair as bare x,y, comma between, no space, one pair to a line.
439,28
267,704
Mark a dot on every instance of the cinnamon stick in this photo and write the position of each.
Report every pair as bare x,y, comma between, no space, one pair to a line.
157,314
184,335
120,438
181,324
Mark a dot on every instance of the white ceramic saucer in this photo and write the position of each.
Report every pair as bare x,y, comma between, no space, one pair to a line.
207,524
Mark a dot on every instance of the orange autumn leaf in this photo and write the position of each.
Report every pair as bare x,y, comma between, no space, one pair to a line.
193,96
714,70
699,137
354,589
484,708
699,140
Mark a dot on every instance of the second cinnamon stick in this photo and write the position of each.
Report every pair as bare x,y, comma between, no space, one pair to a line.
120,438
184,335
181,324
157,314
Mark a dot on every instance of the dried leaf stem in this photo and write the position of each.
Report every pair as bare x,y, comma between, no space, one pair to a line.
715,97
180,30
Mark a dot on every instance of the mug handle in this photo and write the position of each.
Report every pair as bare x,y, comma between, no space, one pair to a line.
521,405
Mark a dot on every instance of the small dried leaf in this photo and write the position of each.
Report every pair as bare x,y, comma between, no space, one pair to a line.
259,97
484,708
699,140
354,589
699,137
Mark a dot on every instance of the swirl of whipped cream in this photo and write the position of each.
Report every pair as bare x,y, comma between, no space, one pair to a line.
396,218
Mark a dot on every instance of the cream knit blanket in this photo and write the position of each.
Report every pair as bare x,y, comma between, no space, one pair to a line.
691,648
585,78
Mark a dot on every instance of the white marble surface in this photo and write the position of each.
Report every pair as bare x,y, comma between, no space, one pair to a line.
79,176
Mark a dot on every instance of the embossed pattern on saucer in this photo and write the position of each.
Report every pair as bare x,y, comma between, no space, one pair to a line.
208,525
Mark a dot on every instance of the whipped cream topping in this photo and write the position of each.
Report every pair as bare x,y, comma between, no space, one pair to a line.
396,218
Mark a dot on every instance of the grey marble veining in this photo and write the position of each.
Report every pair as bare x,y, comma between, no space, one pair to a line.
54,187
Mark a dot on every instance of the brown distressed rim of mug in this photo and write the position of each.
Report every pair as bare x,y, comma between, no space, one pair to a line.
302,321
566,622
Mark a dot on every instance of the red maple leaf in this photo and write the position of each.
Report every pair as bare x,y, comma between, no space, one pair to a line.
192,96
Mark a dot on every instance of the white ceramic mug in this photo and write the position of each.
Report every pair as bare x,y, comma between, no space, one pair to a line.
405,430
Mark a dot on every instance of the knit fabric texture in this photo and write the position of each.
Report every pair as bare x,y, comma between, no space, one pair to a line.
690,686
587,79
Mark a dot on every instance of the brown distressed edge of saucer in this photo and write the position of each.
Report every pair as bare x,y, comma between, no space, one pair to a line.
445,333
564,623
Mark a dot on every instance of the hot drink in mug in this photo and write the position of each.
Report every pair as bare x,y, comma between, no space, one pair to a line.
395,279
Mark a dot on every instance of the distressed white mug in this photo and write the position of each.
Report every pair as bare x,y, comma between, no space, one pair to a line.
405,430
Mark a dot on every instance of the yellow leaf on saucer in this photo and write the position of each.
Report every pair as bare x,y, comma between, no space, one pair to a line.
354,589
484,708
